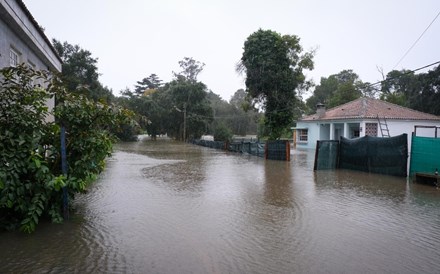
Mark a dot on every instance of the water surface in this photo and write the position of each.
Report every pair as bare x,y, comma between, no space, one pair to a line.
168,207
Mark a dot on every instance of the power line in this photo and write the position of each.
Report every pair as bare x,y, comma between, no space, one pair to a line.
406,53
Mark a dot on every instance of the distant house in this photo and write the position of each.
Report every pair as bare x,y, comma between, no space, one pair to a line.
364,116
23,41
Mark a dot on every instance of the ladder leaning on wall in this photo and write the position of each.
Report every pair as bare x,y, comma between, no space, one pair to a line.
383,127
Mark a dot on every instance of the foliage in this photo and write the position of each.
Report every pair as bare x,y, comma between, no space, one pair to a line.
416,91
26,183
337,89
238,115
88,125
274,67
404,87
190,69
188,99
173,108
80,72
426,97
147,84
31,180
222,132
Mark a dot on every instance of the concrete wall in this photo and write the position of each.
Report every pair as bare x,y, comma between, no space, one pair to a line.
26,55
19,32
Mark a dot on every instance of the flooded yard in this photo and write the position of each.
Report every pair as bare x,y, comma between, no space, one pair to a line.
168,207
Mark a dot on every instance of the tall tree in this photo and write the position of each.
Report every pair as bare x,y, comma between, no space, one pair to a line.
399,86
190,69
245,119
274,67
425,94
80,71
337,89
151,82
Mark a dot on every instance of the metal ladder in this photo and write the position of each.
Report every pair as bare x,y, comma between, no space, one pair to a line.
383,127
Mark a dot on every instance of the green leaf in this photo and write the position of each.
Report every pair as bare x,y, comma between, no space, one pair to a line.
37,163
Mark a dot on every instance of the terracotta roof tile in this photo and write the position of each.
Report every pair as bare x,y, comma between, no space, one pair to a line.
366,108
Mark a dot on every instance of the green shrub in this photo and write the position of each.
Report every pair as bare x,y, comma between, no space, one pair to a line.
31,180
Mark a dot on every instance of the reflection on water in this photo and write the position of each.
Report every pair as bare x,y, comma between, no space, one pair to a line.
168,207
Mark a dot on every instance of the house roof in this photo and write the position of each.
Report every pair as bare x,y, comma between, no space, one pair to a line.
38,27
18,22
369,108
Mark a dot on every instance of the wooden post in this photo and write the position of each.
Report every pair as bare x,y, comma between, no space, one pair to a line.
64,170
294,138
315,166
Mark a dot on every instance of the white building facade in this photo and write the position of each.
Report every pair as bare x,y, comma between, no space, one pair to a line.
364,116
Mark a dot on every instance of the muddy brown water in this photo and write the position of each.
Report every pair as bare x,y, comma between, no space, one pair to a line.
168,207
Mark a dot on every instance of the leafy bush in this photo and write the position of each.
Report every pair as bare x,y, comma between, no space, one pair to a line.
31,180
222,132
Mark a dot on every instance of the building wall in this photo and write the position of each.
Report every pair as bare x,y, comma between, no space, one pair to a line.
399,127
25,34
321,130
26,55
313,135
19,32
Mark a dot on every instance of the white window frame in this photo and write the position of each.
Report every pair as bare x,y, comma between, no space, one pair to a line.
302,135
14,57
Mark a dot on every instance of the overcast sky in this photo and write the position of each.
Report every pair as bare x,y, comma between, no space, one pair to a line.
135,38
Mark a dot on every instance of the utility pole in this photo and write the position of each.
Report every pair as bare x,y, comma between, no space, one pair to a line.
184,119
184,122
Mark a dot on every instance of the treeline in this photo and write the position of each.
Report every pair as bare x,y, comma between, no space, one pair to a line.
401,87
185,109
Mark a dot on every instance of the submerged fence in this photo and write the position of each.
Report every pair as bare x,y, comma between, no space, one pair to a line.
370,154
425,155
271,150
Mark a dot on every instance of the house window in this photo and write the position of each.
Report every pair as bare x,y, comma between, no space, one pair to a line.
302,135
371,129
13,58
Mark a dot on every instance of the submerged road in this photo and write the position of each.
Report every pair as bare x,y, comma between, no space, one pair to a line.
168,207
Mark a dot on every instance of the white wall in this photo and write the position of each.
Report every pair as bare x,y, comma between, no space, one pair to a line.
395,127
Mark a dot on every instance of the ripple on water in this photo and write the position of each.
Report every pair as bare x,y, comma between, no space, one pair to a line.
172,208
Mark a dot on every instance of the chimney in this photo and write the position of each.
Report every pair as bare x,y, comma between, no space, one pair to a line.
320,110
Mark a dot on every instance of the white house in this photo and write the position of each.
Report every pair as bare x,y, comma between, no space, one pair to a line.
23,41
363,116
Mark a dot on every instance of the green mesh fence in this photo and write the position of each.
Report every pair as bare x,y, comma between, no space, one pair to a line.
278,150
210,144
327,153
253,148
272,150
374,154
370,154
425,155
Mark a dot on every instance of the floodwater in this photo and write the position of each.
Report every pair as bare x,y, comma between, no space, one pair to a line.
168,207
